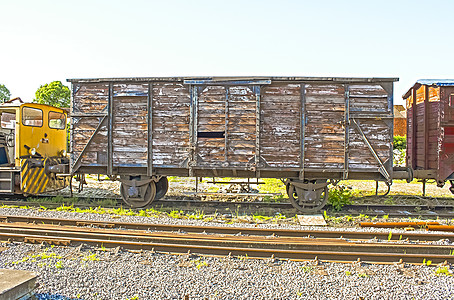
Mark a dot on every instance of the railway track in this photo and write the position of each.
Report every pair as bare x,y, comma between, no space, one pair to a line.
188,203
229,241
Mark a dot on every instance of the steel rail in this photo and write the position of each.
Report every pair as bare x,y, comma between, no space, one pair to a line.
441,227
422,224
290,248
320,233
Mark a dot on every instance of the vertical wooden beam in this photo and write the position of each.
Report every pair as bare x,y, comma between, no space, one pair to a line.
193,116
347,130
71,130
150,130
413,129
426,127
257,89
226,129
389,88
196,120
303,128
110,131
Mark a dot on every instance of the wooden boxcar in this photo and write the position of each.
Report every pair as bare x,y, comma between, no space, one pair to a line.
305,129
430,129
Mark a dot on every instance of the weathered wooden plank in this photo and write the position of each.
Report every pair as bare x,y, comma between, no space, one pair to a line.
326,90
367,89
130,89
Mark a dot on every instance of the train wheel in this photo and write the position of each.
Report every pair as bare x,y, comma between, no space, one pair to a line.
162,186
138,193
307,197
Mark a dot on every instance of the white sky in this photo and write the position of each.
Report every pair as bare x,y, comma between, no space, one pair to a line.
42,41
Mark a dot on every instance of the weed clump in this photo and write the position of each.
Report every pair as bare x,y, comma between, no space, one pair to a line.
339,196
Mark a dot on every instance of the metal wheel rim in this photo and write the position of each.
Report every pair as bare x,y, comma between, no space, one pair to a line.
162,186
300,204
147,199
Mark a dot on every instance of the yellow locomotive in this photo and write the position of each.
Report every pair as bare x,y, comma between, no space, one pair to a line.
33,145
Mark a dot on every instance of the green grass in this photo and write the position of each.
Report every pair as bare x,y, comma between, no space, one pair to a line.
307,269
68,201
38,257
59,265
272,186
90,257
442,271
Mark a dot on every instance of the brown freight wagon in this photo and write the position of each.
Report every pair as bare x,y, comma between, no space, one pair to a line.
430,130
309,130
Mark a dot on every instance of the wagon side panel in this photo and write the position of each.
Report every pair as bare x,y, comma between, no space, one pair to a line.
324,132
280,136
211,126
424,130
420,123
149,126
170,122
129,125
241,126
88,126
410,138
370,128
433,128
446,137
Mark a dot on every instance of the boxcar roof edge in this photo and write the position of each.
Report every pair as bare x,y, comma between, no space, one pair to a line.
430,82
232,78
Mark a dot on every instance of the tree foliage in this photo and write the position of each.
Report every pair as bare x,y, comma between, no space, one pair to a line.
5,94
54,93
400,142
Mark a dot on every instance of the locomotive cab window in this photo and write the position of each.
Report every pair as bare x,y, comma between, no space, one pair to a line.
8,120
32,117
57,120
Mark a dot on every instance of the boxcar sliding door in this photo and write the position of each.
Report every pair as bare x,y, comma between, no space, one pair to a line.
225,125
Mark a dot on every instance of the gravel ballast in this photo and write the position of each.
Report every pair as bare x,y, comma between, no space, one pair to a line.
90,273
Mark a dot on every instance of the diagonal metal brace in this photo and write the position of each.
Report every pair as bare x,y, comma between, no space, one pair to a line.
382,168
77,163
